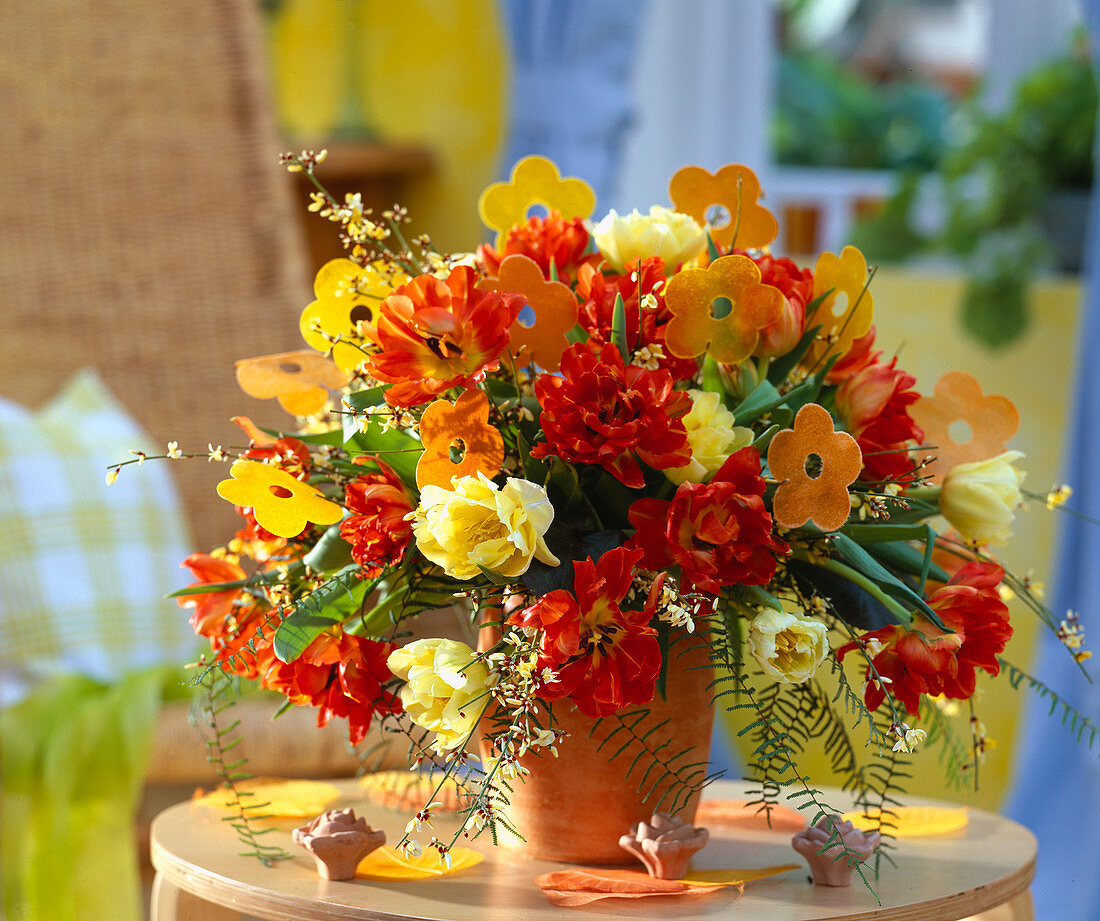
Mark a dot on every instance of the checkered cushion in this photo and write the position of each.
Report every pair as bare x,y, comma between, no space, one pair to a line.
84,567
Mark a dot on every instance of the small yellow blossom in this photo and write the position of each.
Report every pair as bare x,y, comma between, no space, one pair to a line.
112,475
1058,496
174,452
908,739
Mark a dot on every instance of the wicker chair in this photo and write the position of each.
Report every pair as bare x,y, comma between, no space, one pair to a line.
148,231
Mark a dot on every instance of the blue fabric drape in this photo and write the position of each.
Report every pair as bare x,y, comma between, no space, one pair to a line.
1057,789
571,97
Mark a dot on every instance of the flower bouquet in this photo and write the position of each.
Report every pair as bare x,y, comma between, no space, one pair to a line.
636,452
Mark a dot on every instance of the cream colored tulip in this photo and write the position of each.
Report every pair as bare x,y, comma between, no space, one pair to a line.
673,236
712,435
445,690
788,647
478,524
980,498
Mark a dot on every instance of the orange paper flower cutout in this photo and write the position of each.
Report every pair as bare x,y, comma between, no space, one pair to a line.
822,499
846,314
466,421
281,504
555,307
534,181
958,398
690,297
735,188
300,380
347,298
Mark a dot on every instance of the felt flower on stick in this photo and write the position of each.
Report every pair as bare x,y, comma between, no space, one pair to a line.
465,421
534,181
282,504
720,310
817,495
957,402
735,189
846,314
299,380
554,305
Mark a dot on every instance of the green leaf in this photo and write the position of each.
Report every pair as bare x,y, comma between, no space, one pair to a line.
712,249
661,684
712,380
618,328
909,559
875,533
782,366
493,576
763,399
330,553
534,469
757,597
764,439
206,587
295,633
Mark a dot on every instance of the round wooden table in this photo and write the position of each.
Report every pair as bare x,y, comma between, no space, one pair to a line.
986,867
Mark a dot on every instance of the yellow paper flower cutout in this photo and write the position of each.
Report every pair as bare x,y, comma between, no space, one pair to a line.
822,496
282,504
299,380
387,863
915,821
735,188
694,328
554,306
467,420
347,295
534,181
846,314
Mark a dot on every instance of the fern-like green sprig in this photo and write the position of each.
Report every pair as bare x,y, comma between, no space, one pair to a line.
1079,724
220,741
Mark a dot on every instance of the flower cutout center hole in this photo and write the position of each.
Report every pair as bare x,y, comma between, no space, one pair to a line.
960,431
840,304
720,308
537,209
717,216
813,465
457,451
361,313
290,367
526,317
280,492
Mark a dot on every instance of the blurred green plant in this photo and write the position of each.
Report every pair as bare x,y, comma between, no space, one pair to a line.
828,115
1015,190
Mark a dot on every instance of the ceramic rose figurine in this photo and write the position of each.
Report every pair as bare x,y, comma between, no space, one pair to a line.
833,865
338,841
665,844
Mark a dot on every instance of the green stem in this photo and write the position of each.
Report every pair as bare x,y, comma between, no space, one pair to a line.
857,578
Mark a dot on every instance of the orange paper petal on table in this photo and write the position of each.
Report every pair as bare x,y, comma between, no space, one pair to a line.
846,276
822,499
281,503
300,380
467,420
534,181
734,187
387,863
746,814
282,799
554,305
409,792
690,296
992,421
915,821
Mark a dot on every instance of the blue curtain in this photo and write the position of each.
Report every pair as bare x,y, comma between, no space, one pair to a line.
571,97
1057,790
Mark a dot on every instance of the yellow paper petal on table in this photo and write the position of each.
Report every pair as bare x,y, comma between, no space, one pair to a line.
734,187
915,821
534,181
694,328
281,503
284,799
386,863
734,876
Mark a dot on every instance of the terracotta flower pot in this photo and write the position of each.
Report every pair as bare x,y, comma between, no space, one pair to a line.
574,808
